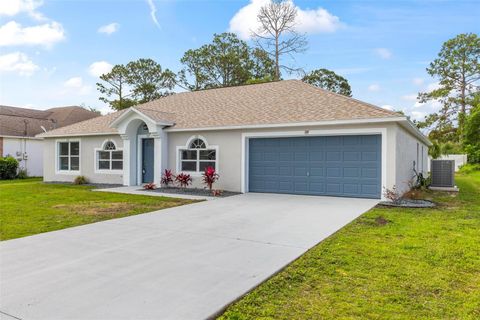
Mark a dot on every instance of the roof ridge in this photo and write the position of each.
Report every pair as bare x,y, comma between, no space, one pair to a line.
370,105
140,105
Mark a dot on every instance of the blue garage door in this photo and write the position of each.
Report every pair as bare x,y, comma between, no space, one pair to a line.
348,166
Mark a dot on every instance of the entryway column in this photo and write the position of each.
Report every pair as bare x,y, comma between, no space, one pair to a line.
157,158
126,159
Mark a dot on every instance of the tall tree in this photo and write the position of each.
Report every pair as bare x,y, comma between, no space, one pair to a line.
148,80
328,80
458,71
277,35
227,61
471,134
115,89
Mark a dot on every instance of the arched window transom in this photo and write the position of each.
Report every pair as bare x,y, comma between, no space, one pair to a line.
109,145
198,144
197,156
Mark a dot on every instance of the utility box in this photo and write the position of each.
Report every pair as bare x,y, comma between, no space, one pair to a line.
442,173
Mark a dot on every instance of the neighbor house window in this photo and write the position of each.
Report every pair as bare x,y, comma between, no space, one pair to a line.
197,156
69,156
109,157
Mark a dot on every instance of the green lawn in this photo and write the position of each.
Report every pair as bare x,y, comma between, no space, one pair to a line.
29,206
387,264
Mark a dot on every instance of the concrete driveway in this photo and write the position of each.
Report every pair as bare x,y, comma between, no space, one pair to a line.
180,263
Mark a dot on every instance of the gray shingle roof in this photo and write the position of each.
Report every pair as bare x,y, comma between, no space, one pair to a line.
29,122
281,102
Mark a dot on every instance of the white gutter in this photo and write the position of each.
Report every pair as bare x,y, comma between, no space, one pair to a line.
46,135
21,137
291,124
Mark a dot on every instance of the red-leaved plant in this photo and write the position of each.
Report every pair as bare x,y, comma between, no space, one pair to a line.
150,186
210,176
183,179
167,178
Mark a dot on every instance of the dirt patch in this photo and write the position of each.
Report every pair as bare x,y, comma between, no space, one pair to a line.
99,208
381,221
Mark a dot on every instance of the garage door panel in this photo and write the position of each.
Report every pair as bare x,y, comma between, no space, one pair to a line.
369,156
333,156
333,165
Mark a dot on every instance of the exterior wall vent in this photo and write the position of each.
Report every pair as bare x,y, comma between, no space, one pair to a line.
443,173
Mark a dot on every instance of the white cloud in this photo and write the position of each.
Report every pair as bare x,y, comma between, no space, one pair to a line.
109,28
75,82
388,107
418,115
383,53
13,34
374,87
433,86
410,97
98,68
418,81
14,7
17,62
153,12
76,85
309,21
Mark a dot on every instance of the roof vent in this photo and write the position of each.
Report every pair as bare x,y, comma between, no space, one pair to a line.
443,173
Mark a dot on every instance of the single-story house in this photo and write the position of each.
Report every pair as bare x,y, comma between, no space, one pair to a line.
278,137
19,126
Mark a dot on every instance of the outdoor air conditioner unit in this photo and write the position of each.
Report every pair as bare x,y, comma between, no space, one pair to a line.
443,174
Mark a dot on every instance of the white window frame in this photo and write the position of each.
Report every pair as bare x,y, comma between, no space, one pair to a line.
97,159
57,157
197,161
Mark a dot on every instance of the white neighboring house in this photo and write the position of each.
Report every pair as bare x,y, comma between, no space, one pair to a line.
277,137
18,127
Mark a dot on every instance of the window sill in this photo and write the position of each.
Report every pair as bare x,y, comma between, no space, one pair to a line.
109,171
68,172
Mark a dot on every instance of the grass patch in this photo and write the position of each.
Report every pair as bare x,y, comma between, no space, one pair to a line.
29,206
391,263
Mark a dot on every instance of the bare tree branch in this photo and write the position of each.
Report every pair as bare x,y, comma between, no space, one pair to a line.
277,34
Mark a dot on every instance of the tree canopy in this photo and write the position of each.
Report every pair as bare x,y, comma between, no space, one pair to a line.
457,69
227,61
328,80
139,81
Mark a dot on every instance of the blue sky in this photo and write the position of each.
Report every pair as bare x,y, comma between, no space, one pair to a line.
51,52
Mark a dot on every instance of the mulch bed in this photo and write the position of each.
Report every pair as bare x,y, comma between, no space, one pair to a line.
193,192
408,203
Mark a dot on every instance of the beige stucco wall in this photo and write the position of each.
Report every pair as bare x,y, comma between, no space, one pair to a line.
230,149
406,154
87,160
399,155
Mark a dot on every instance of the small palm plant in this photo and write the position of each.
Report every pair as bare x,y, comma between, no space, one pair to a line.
167,178
210,176
183,179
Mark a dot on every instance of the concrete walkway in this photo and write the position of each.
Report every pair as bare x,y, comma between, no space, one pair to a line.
138,190
181,263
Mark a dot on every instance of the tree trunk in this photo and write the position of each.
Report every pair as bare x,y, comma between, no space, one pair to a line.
277,67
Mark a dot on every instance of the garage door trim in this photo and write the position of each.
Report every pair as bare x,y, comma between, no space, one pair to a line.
313,133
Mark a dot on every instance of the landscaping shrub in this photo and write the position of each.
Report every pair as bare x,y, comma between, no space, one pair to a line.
167,178
80,180
8,168
150,186
469,168
22,174
183,179
392,194
210,176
